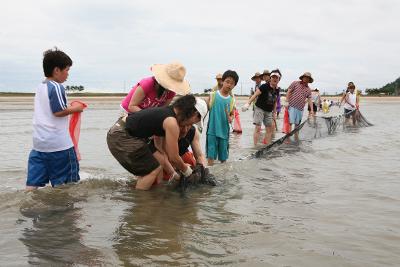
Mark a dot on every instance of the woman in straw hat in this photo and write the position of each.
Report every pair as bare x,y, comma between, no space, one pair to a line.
128,139
157,90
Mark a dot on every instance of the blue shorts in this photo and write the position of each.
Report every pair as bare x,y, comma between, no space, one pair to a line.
295,115
217,148
59,168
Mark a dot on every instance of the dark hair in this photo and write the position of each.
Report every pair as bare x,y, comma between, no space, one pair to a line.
232,74
186,106
54,58
160,90
276,71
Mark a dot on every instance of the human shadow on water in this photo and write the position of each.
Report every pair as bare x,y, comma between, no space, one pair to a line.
54,238
152,230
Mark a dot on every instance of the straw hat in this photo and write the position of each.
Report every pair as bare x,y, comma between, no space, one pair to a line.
307,74
257,74
219,76
171,76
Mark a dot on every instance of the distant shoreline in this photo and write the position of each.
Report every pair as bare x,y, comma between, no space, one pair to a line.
9,97
17,94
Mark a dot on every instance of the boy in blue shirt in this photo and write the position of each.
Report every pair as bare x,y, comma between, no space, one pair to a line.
53,156
221,105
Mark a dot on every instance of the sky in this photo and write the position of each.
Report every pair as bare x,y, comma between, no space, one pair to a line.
113,44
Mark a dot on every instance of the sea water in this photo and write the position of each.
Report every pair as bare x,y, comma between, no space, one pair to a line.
332,201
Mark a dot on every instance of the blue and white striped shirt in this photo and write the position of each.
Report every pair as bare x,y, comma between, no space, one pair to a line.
50,133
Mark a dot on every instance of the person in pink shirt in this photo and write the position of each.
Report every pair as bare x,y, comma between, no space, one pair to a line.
157,90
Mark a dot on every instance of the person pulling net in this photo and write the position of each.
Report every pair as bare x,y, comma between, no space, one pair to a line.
315,127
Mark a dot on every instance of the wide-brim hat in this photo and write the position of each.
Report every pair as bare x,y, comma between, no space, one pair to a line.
257,74
172,77
307,74
265,72
202,108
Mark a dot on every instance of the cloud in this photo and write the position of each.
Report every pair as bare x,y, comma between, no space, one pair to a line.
113,44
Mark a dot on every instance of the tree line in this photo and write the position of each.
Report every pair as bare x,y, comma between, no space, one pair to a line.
74,88
392,88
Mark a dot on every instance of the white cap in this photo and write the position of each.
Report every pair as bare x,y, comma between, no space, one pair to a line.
275,74
201,107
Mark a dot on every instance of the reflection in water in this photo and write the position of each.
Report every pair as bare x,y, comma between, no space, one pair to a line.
305,204
151,231
54,237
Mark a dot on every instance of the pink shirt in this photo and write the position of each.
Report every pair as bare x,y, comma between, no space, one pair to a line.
150,98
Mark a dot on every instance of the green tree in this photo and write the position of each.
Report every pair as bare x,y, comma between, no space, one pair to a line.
392,88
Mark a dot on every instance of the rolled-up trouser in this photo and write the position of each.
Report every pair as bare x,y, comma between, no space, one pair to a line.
133,153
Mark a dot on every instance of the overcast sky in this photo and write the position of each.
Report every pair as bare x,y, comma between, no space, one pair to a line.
114,43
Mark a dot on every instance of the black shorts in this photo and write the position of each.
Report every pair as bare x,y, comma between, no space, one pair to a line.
348,113
133,153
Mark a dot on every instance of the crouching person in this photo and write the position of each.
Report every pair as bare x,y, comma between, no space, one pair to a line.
128,140
190,137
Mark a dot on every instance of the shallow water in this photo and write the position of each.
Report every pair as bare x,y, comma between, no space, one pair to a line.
332,201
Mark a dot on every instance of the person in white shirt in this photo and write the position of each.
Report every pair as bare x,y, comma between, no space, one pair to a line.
52,158
350,105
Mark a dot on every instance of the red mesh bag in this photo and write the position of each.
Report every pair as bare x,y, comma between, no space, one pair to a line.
237,127
75,127
286,124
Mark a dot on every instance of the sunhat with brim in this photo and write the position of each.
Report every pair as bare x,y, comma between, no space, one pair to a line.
257,74
171,76
219,76
265,72
307,74
201,107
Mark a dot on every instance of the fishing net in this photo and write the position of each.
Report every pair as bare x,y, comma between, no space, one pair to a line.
316,127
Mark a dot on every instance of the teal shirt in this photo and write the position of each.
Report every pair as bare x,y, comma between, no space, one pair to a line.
218,123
